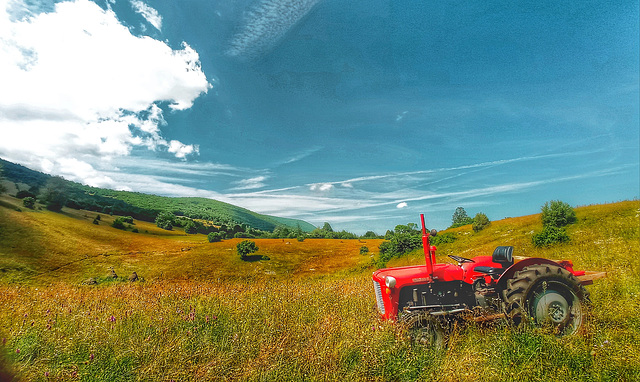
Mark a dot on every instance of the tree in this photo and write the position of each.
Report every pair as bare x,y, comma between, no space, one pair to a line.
54,195
369,235
480,222
214,237
29,202
558,214
327,227
555,216
166,220
460,218
245,248
190,227
3,189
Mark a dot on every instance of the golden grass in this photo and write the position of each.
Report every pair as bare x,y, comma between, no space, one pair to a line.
307,314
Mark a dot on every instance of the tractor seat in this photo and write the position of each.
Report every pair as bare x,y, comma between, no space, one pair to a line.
502,255
493,272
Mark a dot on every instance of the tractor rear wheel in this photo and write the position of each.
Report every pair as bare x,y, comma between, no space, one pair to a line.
548,295
425,329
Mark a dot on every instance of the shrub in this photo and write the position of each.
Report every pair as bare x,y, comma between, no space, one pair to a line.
300,238
558,214
364,250
190,227
480,222
23,194
550,235
29,202
119,223
214,237
245,248
442,238
166,220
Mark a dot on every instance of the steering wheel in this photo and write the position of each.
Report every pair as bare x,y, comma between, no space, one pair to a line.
461,259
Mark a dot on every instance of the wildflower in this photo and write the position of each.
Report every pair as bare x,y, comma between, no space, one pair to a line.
18,351
91,357
112,319
46,374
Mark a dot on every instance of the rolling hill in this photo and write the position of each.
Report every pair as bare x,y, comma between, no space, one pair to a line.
307,313
141,206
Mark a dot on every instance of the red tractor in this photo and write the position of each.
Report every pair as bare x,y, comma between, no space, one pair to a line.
427,298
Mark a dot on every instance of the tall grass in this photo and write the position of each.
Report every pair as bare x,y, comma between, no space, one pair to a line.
318,327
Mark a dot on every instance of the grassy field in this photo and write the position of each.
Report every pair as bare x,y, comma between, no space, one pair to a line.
306,314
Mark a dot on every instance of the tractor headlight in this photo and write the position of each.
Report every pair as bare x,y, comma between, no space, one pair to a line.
390,281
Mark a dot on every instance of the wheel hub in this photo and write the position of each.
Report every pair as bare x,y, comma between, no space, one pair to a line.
552,306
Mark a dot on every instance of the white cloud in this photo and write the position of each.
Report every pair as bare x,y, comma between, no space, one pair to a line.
251,183
181,150
77,85
265,24
151,15
321,187
402,205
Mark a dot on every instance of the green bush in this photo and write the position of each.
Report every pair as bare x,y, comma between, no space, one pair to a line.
442,238
166,220
190,227
550,235
480,222
119,223
245,248
558,214
214,237
364,250
29,202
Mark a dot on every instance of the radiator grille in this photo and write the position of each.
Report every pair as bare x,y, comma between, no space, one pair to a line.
378,290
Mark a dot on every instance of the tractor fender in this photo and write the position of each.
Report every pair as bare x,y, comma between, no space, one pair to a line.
511,271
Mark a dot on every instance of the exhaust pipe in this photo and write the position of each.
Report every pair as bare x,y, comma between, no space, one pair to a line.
429,256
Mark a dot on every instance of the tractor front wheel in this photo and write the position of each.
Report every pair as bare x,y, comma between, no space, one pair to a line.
548,295
425,329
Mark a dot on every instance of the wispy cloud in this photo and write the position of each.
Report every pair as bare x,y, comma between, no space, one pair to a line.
251,183
150,14
300,156
265,24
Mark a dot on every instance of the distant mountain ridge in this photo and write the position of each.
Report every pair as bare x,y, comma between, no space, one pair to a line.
139,205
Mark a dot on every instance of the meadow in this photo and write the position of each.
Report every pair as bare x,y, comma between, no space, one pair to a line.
308,313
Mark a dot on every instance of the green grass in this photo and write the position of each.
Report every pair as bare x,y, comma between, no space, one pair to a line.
307,314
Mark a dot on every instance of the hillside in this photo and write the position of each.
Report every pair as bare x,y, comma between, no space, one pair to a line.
45,246
141,206
308,313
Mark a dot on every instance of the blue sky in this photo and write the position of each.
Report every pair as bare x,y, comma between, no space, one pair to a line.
363,114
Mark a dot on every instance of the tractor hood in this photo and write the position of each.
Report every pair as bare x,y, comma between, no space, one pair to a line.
418,273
